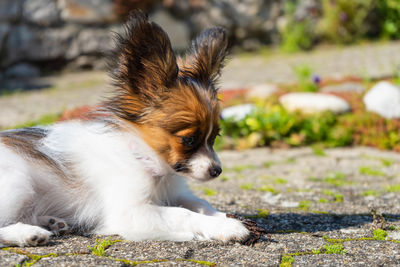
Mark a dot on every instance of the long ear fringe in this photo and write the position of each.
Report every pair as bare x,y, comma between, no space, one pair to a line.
142,66
207,54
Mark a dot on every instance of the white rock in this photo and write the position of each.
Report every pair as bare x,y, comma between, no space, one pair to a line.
289,204
349,231
271,199
384,99
370,198
394,235
237,112
314,102
262,90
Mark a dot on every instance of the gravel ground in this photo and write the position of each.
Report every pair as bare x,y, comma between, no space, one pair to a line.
319,208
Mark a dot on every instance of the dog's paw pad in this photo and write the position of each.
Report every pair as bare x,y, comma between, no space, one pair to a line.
55,225
38,239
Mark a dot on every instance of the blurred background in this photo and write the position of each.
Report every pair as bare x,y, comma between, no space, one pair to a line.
41,36
297,60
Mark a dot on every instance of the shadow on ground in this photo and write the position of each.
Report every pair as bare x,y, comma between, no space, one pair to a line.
295,222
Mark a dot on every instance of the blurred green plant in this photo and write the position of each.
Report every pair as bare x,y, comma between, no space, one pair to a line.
272,125
297,34
340,21
389,16
42,121
344,21
305,80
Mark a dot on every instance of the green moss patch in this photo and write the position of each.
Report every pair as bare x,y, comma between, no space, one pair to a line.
209,192
366,170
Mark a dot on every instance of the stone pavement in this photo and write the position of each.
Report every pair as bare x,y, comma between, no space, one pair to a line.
318,207
75,89
374,61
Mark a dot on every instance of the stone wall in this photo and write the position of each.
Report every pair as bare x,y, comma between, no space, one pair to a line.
38,36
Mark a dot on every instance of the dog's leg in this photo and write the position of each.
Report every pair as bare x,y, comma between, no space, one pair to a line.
173,223
22,235
189,201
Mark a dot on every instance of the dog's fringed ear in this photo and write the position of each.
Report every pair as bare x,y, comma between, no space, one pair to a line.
206,58
143,68
145,60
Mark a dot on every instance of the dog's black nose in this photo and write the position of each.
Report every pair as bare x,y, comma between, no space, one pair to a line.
215,171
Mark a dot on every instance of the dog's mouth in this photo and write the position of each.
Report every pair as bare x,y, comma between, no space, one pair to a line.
181,167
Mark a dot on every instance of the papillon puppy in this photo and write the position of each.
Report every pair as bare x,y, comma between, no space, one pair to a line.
123,172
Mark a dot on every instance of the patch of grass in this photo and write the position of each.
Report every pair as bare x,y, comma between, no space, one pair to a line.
299,190
318,151
327,192
262,214
267,188
280,181
393,188
291,160
248,186
386,162
33,258
316,251
380,234
393,228
286,261
334,249
304,76
337,179
323,200
366,170
240,168
224,178
314,179
305,205
370,192
101,246
209,192
338,197
204,263
44,120
319,212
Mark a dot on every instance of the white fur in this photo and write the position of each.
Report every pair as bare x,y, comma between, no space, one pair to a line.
113,183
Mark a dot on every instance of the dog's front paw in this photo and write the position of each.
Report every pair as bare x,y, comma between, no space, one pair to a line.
37,237
224,229
23,235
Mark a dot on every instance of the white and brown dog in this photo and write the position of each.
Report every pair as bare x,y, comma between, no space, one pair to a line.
124,171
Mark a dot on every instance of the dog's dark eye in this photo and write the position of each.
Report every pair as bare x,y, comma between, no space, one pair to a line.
188,141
